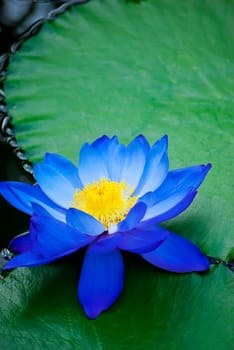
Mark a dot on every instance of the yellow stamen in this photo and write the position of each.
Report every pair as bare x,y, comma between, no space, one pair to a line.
108,201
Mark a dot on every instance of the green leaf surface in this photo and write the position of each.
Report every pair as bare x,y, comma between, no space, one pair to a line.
127,68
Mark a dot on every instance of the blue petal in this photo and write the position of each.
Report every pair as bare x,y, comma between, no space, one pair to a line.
175,194
183,179
144,143
27,259
177,254
101,281
116,159
25,242
22,195
142,240
41,211
21,243
55,238
175,210
84,222
156,168
133,218
91,166
51,239
169,207
54,184
115,154
101,144
134,163
106,242
64,166
109,149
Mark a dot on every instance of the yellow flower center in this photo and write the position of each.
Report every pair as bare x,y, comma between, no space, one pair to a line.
108,201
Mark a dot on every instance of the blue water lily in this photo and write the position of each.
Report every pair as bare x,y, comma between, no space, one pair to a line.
113,201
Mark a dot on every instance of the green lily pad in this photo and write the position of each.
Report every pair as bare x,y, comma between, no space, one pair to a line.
125,68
